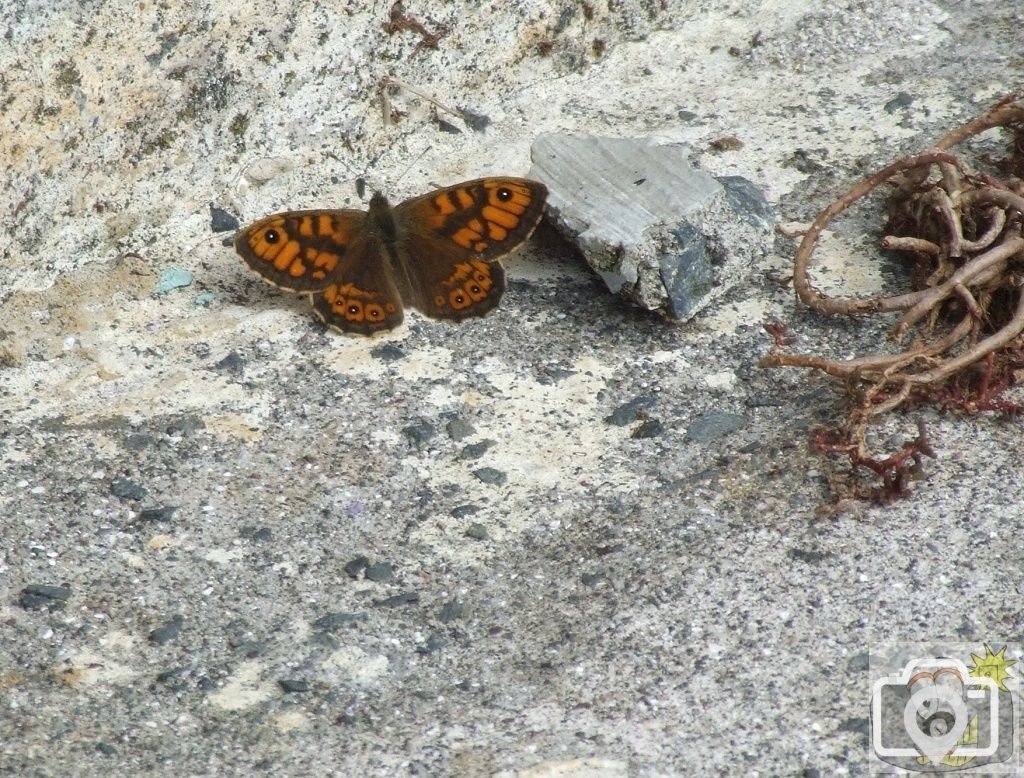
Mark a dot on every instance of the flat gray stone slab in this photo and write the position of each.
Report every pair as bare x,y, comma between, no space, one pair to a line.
663,234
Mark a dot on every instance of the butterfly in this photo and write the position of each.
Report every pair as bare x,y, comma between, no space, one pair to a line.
437,253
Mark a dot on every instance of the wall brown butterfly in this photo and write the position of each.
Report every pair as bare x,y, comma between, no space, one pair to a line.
437,253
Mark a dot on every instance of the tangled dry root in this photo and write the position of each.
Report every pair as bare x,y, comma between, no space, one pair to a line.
963,231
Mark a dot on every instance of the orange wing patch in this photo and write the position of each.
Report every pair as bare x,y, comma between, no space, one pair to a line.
470,283
351,308
357,305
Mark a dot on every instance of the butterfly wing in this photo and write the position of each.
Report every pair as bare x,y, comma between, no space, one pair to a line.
301,251
362,297
450,242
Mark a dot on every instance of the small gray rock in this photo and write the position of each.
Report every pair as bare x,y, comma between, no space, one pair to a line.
419,433
333,621
663,234
396,601
163,513
451,611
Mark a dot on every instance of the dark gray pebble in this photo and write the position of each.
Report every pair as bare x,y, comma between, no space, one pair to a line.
256,533
476,531
167,632
490,475
163,513
221,220
37,596
184,425
651,428
381,571
124,489
451,611
233,362
419,433
459,429
405,598
138,441
626,413
434,642
714,425
389,352
293,685
355,567
173,679
332,621
476,450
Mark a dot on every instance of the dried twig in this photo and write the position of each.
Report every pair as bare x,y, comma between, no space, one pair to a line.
964,231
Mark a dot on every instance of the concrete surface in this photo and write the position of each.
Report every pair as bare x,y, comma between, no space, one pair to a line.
455,550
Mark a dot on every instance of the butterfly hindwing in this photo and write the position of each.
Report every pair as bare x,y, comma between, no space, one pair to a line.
363,299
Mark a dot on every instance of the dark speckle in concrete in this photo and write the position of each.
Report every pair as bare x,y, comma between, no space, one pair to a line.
419,433
651,428
405,598
167,632
388,352
629,412
334,621
232,362
475,450
451,611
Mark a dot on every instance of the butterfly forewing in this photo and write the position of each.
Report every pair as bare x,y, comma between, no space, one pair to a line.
301,251
451,241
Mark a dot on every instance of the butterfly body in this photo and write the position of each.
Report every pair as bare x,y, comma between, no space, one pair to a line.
437,253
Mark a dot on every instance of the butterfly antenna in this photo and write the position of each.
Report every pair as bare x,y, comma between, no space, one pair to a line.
411,164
